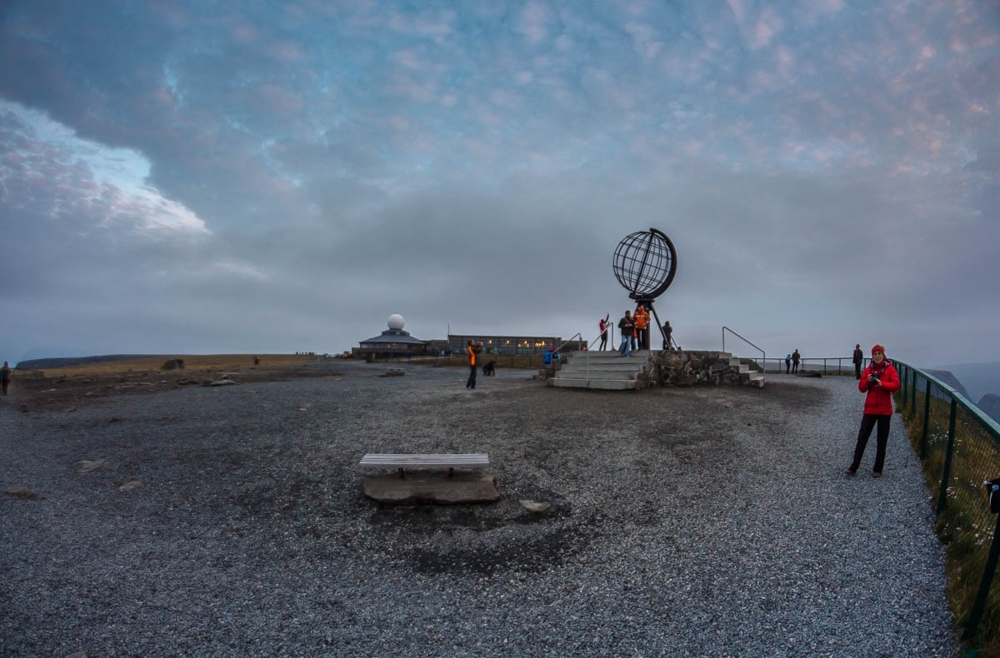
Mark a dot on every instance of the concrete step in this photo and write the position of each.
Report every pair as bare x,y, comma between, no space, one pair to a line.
603,384
622,365
600,370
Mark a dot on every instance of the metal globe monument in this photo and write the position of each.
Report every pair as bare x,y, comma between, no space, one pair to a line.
645,263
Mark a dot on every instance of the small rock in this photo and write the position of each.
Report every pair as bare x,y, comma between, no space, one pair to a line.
533,506
86,465
25,494
222,382
130,485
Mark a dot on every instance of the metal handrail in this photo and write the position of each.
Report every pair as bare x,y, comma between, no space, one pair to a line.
571,339
725,329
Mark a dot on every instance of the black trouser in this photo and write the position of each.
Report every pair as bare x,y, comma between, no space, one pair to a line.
472,377
788,367
882,436
857,371
604,341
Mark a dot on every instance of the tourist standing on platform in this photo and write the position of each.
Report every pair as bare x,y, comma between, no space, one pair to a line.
795,360
859,359
642,327
627,328
668,336
879,381
788,363
604,332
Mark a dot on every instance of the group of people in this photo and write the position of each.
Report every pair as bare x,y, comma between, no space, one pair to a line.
634,331
878,381
792,361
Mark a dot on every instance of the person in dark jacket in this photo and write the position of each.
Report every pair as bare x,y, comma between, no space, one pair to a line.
795,361
627,327
859,359
4,377
878,381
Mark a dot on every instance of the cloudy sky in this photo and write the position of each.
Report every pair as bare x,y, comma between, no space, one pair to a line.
202,177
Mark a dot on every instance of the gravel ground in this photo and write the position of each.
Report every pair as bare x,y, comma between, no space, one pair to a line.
684,522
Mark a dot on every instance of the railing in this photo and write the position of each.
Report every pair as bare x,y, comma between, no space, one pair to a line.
959,446
828,365
587,352
763,356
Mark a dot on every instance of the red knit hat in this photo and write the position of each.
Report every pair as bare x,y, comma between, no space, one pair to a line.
878,348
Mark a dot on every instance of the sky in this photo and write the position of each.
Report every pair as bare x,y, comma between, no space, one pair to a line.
265,177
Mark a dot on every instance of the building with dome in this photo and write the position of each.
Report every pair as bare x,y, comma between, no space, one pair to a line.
394,342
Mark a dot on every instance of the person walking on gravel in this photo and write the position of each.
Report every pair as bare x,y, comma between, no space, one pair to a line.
472,349
5,377
879,381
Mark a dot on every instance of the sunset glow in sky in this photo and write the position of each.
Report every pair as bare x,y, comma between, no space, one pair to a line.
191,177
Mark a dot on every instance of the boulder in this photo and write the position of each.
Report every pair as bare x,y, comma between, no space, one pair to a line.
173,364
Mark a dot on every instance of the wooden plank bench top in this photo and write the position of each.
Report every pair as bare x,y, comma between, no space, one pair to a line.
404,461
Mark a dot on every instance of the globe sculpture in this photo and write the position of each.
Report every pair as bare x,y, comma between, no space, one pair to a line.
645,264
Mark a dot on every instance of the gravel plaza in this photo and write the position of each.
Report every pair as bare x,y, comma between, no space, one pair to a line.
682,522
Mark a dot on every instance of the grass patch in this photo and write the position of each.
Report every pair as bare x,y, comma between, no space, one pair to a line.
195,362
964,524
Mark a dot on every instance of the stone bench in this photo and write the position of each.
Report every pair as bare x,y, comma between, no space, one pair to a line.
405,462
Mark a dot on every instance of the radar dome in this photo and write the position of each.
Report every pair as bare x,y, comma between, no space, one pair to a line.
396,321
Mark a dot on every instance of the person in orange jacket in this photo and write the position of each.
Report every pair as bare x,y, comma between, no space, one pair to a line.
472,349
879,381
641,317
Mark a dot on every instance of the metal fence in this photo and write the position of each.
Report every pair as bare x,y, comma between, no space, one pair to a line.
959,446
828,365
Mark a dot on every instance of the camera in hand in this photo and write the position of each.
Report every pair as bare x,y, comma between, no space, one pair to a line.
873,380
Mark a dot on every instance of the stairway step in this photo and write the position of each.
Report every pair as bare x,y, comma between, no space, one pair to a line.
603,384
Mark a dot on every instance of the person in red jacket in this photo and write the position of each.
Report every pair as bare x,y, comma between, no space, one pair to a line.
879,381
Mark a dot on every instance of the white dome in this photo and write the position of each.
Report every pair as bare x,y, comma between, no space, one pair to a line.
396,321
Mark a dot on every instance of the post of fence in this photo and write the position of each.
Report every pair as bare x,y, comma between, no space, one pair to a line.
913,391
902,387
927,418
947,460
984,587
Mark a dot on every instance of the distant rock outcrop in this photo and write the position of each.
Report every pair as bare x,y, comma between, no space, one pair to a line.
990,404
950,380
46,364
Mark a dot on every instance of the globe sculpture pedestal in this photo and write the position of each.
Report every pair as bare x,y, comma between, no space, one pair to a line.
645,264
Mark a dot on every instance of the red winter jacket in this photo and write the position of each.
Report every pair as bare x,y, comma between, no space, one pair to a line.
879,400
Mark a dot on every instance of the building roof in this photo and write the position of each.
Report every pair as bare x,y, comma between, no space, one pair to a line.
394,336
